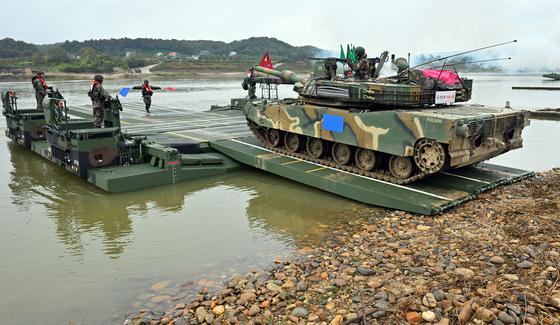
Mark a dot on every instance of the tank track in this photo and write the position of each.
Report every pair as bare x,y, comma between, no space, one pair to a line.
328,162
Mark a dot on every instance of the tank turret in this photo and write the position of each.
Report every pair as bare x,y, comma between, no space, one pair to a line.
414,89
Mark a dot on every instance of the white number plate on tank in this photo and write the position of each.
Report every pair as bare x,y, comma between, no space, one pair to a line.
445,97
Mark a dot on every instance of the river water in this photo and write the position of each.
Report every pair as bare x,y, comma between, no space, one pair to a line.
70,252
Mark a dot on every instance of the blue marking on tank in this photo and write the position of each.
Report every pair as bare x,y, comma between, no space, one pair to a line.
333,123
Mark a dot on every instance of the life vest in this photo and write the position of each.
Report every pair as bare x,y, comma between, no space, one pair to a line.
148,89
90,92
42,80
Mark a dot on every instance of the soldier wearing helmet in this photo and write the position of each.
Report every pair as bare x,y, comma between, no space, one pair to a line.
41,88
147,92
361,68
99,97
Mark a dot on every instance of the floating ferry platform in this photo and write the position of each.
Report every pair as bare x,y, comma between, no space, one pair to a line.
218,141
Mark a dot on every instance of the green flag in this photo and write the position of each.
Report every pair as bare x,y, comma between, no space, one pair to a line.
352,54
348,52
342,56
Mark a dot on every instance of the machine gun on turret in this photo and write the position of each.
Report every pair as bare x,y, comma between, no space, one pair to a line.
330,65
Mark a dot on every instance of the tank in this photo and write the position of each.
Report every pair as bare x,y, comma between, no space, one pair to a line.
390,130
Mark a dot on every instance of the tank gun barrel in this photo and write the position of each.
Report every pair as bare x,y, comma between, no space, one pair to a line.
287,76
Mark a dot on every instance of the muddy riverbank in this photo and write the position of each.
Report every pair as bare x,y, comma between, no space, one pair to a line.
493,260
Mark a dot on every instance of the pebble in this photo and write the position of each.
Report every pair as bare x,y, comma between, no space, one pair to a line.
301,286
428,316
246,297
466,313
218,310
375,282
439,294
511,277
158,299
554,302
497,259
200,314
525,265
340,282
506,318
160,285
485,314
299,312
413,317
443,321
429,300
417,269
255,309
423,228
464,272
365,271
337,320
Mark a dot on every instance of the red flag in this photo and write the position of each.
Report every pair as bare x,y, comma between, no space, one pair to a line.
266,62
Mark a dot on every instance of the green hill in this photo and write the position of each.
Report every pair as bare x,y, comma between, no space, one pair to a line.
251,47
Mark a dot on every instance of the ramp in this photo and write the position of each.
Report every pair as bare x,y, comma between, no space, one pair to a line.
428,196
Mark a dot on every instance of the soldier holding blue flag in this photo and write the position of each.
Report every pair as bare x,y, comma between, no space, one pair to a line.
147,92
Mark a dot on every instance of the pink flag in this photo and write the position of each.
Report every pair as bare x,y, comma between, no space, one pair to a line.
446,76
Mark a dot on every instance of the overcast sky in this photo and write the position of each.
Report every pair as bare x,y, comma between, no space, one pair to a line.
398,26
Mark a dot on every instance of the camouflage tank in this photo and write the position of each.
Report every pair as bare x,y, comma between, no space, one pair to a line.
399,137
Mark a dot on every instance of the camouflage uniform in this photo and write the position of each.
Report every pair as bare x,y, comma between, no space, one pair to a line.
361,68
250,84
98,97
40,91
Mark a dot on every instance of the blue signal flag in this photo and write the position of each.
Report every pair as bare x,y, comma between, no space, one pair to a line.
124,92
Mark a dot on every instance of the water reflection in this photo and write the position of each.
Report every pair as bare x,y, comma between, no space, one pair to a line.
278,207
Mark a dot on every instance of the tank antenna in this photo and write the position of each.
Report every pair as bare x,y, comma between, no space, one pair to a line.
462,53
471,62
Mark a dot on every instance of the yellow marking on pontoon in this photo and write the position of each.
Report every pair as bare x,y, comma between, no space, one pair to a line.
186,136
290,162
316,169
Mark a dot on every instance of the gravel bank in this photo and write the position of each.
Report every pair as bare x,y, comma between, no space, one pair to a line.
493,260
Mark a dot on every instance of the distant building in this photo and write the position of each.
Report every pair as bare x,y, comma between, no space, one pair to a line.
232,53
192,57
159,54
129,54
172,55
204,52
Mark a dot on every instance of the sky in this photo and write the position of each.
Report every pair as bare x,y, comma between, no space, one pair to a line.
403,26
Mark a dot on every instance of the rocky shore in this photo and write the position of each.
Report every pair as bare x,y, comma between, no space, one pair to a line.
494,260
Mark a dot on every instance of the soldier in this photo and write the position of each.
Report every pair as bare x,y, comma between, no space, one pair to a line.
250,84
147,92
41,88
99,96
361,69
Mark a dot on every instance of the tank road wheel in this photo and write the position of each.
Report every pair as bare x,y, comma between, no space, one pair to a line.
400,167
315,147
429,155
341,153
292,142
366,159
273,137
